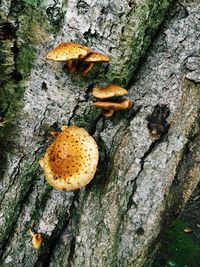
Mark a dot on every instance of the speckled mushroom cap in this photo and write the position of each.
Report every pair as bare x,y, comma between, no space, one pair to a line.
70,161
109,91
68,51
96,58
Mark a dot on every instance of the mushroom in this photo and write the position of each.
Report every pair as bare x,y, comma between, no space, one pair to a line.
109,91
37,239
70,161
69,52
109,107
92,58
187,230
113,105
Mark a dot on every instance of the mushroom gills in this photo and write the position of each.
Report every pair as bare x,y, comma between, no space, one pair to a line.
109,107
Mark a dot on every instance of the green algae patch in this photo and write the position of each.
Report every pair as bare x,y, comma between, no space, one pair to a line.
26,59
19,54
90,115
33,2
31,31
136,36
179,249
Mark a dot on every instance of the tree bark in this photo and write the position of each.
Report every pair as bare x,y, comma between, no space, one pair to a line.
149,155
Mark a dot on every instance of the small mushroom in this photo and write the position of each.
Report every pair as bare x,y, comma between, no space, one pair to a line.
69,52
94,58
109,107
70,161
110,90
187,230
37,239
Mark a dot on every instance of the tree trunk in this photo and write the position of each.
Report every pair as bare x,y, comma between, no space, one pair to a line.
149,155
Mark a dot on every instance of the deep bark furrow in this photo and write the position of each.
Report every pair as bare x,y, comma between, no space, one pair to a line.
142,161
45,259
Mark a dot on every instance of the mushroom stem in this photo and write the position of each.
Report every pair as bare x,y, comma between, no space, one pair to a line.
87,69
70,66
31,232
107,113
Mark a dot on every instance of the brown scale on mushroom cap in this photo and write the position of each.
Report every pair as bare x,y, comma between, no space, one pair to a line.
70,161
68,51
110,90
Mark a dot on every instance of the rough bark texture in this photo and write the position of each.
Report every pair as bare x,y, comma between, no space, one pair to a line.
143,179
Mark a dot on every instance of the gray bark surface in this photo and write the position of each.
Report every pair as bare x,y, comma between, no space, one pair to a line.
143,180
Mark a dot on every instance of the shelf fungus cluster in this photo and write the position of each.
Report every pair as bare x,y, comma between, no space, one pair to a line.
70,162
108,105
73,53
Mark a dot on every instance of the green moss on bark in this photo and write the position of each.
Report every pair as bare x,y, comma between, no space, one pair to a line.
136,36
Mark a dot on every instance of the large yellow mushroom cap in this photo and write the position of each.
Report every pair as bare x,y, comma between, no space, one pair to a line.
68,51
70,161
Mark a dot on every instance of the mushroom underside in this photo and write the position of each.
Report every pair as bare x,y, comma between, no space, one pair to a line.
108,107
